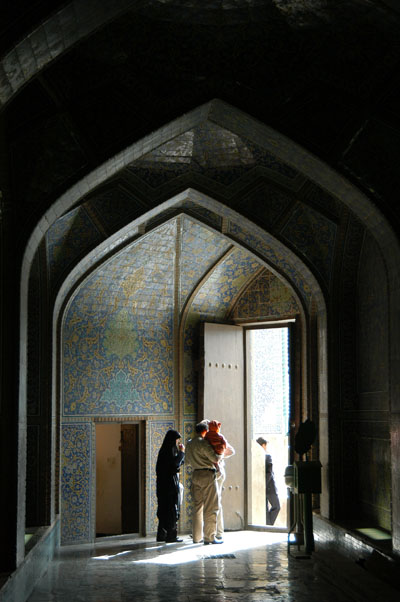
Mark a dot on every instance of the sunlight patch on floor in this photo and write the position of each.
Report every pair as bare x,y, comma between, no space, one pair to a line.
190,552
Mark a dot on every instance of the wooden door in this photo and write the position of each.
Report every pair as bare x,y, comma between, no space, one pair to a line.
108,479
130,478
222,398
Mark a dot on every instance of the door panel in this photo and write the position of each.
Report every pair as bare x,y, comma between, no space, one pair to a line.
108,479
130,478
223,400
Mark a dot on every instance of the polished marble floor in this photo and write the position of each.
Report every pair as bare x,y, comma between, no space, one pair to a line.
247,566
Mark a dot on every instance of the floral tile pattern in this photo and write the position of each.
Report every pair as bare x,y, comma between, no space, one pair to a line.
117,343
76,482
266,297
200,249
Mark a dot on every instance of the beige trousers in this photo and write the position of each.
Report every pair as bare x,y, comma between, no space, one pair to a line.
220,516
205,505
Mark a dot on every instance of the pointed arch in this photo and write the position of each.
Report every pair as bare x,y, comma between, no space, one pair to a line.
241,232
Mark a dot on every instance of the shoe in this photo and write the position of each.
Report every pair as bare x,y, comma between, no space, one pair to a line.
206,543
175,540
218,537
200,541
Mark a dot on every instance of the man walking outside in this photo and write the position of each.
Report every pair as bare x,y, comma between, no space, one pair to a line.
271,493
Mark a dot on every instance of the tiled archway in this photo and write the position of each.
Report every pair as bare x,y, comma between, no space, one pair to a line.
265,251
251,237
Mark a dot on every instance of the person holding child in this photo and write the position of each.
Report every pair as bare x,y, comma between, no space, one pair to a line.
221,446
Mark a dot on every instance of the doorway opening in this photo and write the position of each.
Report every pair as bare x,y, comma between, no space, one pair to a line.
118,479
268,410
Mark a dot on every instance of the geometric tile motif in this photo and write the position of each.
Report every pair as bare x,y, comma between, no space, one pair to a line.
349,398
68,238
314,236
76,482
210,217
320,197
266,297
271,255
210,151
264,204
373,337
115,207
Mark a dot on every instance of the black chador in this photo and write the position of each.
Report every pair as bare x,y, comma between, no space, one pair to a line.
169,460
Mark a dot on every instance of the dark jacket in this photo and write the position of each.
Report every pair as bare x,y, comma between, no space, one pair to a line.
270,486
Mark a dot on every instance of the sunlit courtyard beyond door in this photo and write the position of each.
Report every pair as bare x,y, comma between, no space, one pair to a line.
268,398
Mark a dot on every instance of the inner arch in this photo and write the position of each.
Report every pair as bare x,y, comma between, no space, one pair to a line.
106,307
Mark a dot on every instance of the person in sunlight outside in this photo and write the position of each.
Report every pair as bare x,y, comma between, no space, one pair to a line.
170,458
271,493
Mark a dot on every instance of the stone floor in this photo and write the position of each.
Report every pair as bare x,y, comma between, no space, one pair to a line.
248,566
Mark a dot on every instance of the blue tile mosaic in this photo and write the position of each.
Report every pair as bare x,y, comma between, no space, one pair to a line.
266,297
76,482
200,249
272,256
118,332
118,342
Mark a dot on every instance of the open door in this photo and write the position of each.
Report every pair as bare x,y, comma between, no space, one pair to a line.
130,478
222,398
268,409
118,486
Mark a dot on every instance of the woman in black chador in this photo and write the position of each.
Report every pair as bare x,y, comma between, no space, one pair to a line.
170,458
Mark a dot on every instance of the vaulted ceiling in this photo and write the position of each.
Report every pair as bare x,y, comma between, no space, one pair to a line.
80,81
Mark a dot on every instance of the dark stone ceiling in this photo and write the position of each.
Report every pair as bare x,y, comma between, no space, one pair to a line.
324,73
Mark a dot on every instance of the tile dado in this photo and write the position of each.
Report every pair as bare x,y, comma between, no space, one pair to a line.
76,482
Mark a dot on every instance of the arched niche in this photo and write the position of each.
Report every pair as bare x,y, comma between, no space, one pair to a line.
239,234
308,166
